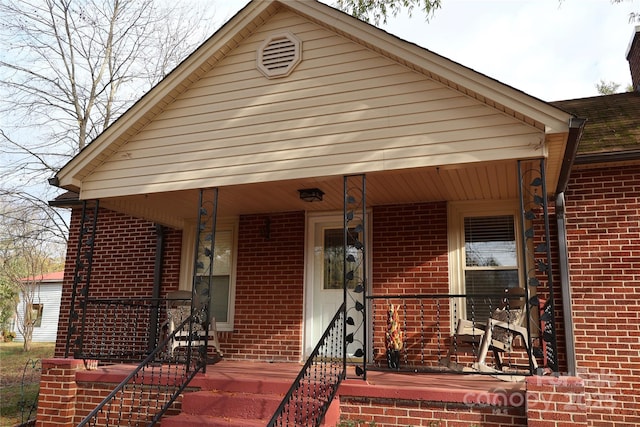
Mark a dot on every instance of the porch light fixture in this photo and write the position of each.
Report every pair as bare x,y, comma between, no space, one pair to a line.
311,194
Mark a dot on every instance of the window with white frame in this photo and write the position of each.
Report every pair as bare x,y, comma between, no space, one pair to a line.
484,244
222,301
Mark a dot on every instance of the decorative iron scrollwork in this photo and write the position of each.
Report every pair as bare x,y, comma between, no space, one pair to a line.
537,253
82,278
355,271
204,266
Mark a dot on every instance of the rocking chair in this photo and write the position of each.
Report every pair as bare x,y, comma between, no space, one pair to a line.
499,332
178,309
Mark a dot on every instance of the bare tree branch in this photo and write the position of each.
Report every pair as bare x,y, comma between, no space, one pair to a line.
68,69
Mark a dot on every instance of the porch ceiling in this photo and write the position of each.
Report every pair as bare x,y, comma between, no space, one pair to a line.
482,181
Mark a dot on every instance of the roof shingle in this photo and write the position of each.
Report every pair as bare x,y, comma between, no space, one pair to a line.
613,122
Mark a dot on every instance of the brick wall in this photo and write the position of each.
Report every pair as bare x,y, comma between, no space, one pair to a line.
123,262
410,248
409,256
269,289
603,227
381,412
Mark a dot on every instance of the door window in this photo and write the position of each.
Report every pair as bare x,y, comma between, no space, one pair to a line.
334,257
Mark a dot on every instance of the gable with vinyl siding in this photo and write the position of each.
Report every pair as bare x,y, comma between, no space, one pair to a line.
343,109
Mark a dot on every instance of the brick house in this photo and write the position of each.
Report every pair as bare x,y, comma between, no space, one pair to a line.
303,173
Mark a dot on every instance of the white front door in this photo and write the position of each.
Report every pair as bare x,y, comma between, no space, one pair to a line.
324,279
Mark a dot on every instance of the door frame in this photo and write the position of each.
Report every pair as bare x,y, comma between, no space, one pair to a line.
312,219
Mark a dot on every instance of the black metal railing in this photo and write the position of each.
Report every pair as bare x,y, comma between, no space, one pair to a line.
310,395
121,330
146,394
443,332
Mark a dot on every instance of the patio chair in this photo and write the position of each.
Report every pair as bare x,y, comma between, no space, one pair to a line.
499,332
178,309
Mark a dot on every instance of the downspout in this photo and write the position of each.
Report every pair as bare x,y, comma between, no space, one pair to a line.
157,282
565,284
576,126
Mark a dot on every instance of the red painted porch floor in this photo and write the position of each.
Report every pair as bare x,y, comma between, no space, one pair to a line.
436,387
262,377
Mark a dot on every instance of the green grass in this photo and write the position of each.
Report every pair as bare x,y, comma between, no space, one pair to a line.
12,387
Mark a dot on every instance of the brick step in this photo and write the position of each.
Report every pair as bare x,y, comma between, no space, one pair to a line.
231,404
332,419
242,385
187,420
215,408
238,401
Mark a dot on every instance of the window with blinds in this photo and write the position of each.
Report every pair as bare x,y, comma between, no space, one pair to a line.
491,264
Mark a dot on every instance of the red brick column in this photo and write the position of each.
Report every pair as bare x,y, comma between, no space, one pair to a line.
555,402
58,389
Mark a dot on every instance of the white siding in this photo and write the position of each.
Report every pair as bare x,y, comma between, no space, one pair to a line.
48,294
344,109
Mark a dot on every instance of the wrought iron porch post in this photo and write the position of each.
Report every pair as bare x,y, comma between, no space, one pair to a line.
82,278
157,283
203,266
355,269
536,255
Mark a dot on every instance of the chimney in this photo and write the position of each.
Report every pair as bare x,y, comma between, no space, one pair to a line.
633,56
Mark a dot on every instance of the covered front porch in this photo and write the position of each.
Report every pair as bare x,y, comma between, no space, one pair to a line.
396,255
255,256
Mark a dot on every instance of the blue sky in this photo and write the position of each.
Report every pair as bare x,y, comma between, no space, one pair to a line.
550,49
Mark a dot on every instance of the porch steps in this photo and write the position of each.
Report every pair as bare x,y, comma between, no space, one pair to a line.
215,408
237,402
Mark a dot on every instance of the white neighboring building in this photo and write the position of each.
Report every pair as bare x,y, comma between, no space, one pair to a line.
46,303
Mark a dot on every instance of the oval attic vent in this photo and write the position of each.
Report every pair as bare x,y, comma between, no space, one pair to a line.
278,55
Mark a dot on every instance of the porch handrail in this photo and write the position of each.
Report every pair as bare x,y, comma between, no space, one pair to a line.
431,334
313,390
192,366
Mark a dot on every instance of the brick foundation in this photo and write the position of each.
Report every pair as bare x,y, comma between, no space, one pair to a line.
365,411
555,402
